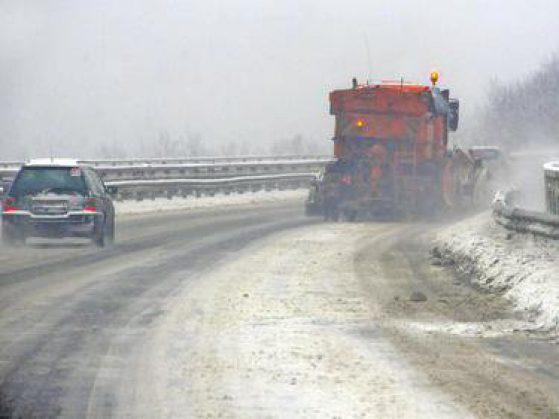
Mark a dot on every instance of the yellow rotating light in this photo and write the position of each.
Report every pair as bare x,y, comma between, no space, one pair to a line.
360,123
434,77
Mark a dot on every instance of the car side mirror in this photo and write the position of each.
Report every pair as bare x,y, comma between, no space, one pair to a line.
112,190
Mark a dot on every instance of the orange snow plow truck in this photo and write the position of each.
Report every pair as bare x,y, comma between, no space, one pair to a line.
391,154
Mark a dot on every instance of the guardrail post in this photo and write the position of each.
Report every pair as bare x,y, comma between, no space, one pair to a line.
551,173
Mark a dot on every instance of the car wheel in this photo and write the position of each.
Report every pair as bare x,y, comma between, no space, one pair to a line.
99,234
336,216
110,232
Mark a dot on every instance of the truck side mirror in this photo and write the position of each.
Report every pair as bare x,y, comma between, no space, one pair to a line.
453,114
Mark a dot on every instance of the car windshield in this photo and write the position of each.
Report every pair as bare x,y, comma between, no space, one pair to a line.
57,180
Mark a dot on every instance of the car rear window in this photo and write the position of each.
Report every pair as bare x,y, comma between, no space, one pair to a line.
57,180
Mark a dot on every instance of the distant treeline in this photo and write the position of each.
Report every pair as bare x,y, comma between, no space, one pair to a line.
523,114
194,145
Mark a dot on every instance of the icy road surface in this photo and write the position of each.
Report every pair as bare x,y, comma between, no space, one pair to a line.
255,312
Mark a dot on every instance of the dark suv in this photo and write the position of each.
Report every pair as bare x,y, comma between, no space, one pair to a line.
58,198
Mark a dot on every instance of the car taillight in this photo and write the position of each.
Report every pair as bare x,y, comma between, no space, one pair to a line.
90,205
9,204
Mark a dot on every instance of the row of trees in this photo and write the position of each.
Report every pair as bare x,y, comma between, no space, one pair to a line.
165,145
523,114
194,145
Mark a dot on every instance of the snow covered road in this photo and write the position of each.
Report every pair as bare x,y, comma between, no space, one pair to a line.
285,332
255,311
320,321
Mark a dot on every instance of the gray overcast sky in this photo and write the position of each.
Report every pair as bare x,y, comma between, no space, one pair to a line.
77,73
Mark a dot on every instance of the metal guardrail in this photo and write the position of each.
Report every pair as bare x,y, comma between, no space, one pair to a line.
551,180
170,177
201,160
10,164
153,188
8,173
181,160
201,170
208,170
514,218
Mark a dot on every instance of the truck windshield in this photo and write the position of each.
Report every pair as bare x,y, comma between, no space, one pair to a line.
57,180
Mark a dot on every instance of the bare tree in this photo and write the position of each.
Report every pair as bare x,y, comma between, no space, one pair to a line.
525,113
194,145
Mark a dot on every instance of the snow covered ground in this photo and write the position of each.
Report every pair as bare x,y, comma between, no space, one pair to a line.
191,203
522,267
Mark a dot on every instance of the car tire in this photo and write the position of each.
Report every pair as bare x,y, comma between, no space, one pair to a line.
110,232
351,216
99,233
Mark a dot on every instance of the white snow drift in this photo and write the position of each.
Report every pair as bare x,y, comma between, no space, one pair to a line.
523,267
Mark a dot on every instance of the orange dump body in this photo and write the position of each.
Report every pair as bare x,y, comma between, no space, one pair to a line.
400,117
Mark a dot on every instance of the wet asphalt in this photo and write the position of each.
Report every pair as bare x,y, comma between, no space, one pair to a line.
66,306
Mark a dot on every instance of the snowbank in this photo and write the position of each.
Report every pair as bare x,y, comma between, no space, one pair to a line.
190,203
522,267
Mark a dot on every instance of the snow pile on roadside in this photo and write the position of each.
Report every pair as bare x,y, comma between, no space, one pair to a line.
524,268
164,204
